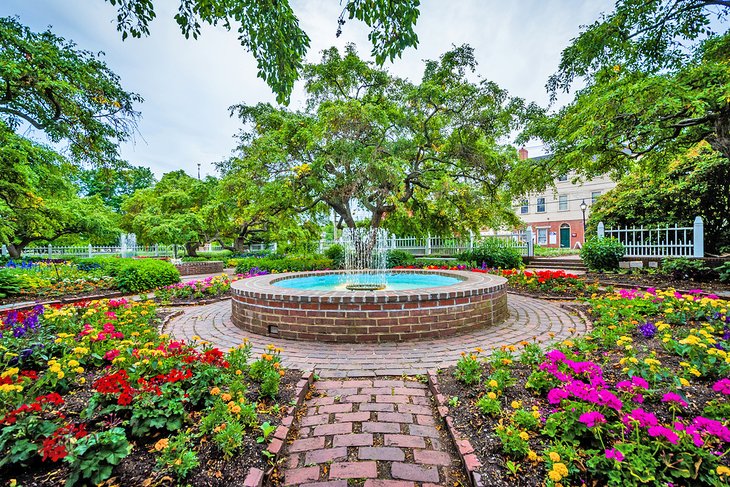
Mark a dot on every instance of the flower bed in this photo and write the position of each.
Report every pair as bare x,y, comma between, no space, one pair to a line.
92,390
548,283
200,290
642,399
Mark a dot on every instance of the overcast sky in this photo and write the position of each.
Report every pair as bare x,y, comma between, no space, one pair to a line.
188,85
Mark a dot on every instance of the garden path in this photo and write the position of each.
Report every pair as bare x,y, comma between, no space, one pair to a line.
380,432
529,320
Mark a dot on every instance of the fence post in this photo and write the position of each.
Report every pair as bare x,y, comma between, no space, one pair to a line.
428,244
699,238
90,252
471,240
3,250
50,251
530,243
601,230
321,245
157,250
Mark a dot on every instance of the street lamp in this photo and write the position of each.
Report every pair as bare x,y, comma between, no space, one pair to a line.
583,207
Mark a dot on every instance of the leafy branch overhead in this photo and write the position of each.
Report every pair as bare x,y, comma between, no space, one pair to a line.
269,29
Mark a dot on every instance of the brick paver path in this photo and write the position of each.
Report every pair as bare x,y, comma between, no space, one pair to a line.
530,319
371,433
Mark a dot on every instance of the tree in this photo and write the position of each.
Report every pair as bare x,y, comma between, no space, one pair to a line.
113,184
695,184
270,30
372,143
171,212
657,82
38,200
68,94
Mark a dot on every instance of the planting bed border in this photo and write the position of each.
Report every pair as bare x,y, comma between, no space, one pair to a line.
262,308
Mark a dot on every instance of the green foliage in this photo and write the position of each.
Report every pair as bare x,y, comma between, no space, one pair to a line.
724,272
399,258
93,457
113,184
138,275
178,456
286,264
221,255
493,253
229,438
336,253
488,406
9,284
68,94
468,369
512,444
602,254
271,32
681,269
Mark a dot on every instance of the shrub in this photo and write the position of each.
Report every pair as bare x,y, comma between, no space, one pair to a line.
205,256
289,264
492,252
337,253
9,284
602,254
681,269
399,258
109,265
144,274
724,272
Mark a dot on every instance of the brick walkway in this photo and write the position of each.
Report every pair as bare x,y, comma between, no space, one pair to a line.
530,319
371,433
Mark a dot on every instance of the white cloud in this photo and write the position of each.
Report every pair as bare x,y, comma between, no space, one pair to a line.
188,85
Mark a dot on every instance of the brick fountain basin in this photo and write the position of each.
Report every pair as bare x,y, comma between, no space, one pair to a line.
476,301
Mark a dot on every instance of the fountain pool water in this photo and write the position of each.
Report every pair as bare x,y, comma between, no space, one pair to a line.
391,281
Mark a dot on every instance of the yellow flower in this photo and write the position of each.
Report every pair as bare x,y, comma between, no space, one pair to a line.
215,391
10,372
60,374
532,456
79,370
491,395
493,383
524,435
162,444
684,381
554,456
723,470
554,475
559,470
515,404
226,397
239,372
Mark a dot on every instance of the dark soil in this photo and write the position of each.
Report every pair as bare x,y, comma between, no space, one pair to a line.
192,301
656,280
479,428
63,298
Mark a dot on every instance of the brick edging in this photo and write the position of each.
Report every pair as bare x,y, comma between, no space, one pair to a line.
256,476
588,322
194,303
167,319
25,305
644,288
545,298
466,451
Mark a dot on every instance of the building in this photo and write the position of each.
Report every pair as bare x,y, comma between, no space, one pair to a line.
555,214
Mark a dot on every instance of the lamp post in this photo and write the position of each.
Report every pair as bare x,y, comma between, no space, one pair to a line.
583,207
198,171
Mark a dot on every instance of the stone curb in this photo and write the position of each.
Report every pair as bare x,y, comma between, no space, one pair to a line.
256,477
166,321
466,452
545,298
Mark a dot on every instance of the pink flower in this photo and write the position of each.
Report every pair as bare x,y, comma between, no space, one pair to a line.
592,418
674,398
111,354
722,386
664,432
615,454
644,418
557,395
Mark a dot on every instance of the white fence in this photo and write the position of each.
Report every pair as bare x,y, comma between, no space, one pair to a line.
60,251
660,241
450,246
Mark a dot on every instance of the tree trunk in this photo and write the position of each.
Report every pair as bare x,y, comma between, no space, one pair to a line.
15,250
720,140
191,248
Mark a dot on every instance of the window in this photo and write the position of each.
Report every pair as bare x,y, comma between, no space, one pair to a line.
563,202
542,234
562,178
594,196
541,204
525,208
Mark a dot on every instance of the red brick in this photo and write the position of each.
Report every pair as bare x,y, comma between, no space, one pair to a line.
301,475
326,455
307,444
275,445
355,439
356,398
464,446
355,417
375,427
333,429
472,462
388,454
426,420
432,457
388,483
377,407
417,473
330,483
414,408
315,419
404,441
391,398
353,470
281,432
254,478
321,401
395,417
420,430
335,408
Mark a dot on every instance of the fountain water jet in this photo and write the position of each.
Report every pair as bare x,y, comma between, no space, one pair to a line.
365,259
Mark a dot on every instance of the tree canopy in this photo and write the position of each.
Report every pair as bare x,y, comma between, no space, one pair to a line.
68,94
269,29
114,184
657,82
374,147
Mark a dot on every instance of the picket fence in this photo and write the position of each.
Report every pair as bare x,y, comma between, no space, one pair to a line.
668,241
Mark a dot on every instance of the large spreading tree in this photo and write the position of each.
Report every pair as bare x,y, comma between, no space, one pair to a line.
269,29
114,184
381,151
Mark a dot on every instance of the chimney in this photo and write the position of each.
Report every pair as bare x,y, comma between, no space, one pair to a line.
523,153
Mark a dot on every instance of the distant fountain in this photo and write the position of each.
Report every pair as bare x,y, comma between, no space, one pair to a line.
366,252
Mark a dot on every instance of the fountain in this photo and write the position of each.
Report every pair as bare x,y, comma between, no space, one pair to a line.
367,303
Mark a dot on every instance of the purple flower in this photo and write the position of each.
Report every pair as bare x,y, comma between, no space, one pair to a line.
644,418
674,398
722,386
664,432
648,329
557,395
615,454
592,418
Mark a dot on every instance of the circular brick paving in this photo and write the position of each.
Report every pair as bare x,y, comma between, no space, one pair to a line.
529,319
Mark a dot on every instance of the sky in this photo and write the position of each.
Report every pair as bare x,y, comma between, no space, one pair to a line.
188,85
